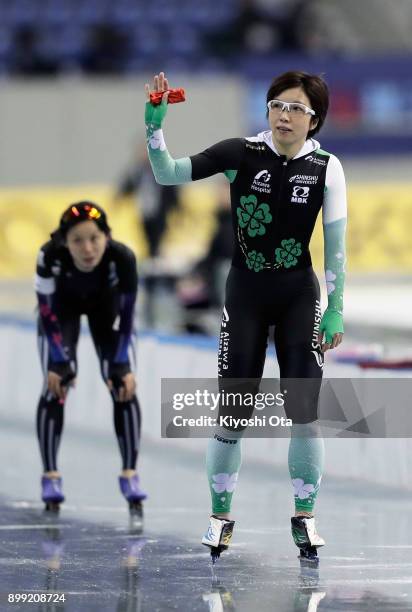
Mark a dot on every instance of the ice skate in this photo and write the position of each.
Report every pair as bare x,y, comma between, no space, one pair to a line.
218,536
52,493
131,490
306,539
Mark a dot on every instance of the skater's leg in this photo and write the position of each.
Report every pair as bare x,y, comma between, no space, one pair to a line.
242,351
126,414
223,460
50,409
127,423
306,461
49,431
301,369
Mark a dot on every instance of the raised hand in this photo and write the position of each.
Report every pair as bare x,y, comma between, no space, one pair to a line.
154,115
160,83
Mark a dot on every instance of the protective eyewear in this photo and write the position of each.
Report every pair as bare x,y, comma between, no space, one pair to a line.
294,108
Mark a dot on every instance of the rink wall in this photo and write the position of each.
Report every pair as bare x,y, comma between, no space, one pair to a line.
378,461
378,236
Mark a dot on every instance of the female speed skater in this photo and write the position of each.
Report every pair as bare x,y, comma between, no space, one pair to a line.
82,270
279,181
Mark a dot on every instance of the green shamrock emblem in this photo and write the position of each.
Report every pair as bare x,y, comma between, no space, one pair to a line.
252,215
287,255
255,261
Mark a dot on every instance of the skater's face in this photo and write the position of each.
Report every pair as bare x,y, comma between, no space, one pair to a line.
87,244
290,128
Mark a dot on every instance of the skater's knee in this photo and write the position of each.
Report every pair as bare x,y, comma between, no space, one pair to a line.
306,430
228,436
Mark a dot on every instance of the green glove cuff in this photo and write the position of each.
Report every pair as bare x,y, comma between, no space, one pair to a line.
154,115
331,324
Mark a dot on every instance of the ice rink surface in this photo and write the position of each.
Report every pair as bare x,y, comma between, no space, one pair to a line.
91,554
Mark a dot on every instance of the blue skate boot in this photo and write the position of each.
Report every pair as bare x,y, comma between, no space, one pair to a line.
52,493
131,490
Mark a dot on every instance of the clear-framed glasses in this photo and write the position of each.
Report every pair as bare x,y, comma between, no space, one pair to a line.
296,109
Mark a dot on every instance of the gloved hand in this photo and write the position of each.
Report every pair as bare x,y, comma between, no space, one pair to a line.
331,326
155,115
60,376
121,382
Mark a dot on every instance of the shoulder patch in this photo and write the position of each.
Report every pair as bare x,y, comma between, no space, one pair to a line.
322,160
255,143
257,138
230,175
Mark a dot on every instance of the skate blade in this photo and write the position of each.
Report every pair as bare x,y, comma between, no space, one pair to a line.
308,559
136,517
215,552
214,555
52,507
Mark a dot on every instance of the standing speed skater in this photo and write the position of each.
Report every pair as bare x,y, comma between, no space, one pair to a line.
82,270
279,181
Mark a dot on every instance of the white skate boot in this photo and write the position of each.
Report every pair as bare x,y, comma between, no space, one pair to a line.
306,538
218,536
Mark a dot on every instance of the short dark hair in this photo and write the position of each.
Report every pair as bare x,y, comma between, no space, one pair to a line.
314,87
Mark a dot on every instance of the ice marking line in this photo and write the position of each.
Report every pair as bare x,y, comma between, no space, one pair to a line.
264,531
27,527
387,546
119,508
364,581
383,566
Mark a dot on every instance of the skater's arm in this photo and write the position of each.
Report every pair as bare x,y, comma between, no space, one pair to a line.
45,286
167,171
222,157
334,229
127,270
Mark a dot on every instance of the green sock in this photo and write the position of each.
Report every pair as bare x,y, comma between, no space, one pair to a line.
306,460
223,461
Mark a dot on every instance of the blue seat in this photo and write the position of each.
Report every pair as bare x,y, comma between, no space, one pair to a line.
22,12
58,12
93,12
126,12
184,40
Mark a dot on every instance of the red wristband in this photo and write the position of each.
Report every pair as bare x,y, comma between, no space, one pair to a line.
175,95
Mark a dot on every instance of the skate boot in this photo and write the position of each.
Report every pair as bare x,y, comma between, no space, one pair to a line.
52,493
134,495
218,536
305,537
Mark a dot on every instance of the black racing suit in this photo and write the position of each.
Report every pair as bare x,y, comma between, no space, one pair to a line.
275,203
107,297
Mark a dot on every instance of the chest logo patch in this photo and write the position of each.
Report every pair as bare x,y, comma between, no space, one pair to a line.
304,179
300,194
261,182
